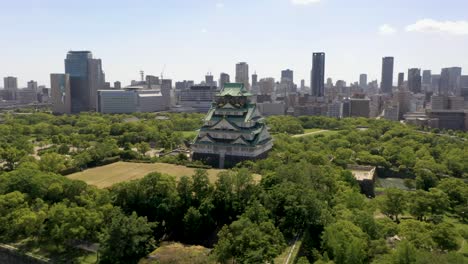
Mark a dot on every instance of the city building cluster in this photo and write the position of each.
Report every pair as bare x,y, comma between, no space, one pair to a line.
422,98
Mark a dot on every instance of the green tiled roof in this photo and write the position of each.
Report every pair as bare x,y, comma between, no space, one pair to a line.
234,89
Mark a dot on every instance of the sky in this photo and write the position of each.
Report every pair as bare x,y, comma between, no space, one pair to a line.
189,38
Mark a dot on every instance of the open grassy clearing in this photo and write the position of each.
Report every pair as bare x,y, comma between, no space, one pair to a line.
170,252
108,175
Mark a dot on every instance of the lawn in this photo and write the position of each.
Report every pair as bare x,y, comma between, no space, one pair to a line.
189,134
108,175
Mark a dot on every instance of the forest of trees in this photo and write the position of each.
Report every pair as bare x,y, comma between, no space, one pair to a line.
305,190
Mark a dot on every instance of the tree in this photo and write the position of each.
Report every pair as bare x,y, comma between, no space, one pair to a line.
405,253
143,147
248,240
445,236
126,239
393,203
52,162
11,156
345,242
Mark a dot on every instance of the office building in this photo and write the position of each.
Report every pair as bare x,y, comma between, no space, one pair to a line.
359,107
401,79
363,81
318,74
130,100
287,76
32,85
387,75
266,86
450,81
86,78
404,101
209,80
242,74
414,80
198,98
117,85
223,78
166,91
233,131
10,83
60,93
426,77
335,109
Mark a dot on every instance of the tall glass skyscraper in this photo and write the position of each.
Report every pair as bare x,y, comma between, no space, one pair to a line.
317,81
86,77
387,75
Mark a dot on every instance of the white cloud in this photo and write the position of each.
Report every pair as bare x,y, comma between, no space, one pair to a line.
204,30
304,2
386,29
219,5
434,26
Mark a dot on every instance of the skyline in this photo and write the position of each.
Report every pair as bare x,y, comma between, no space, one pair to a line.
192,39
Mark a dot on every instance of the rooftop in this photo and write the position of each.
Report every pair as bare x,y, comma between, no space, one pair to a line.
234,89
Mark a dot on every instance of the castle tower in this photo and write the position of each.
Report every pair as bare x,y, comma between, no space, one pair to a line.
233,131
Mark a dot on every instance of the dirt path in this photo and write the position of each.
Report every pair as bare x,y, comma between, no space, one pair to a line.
310,133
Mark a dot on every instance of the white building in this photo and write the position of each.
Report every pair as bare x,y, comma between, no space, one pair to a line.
129,101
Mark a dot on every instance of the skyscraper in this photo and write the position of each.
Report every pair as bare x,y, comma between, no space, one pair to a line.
317,81
363,81
242,74
86,78
401,79
450,81
426,77
254,79
223,78
414,80
287,75
387,75
61,93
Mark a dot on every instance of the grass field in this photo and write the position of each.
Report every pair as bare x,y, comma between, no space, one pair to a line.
391,183
170,252
108,175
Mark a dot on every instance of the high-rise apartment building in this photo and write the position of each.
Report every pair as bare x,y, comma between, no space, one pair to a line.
363,81
414,80
317,82
60,93
242,74
387,75
86,78
209,80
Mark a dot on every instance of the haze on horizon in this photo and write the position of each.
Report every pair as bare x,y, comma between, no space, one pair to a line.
195,37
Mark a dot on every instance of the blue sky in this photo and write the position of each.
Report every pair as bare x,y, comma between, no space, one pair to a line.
193,37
